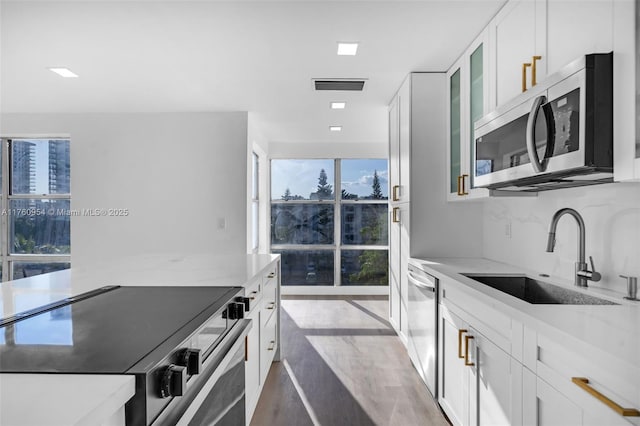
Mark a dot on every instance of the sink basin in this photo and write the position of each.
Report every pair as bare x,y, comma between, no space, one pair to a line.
535,291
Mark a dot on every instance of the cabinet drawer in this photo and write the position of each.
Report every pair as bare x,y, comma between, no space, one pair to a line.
252,364
268,342
254,293
557,365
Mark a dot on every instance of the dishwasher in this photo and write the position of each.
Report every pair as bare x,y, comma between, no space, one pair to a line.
422,315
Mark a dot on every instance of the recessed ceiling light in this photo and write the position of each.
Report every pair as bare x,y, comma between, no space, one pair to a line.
338,105
349,49
64,72
335,128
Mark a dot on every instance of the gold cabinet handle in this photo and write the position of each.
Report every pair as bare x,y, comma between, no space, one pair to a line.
272,345
583,382
272,305
253,297
533,70
271,275
395,218
524,76
460,185
395,193
246,348
464,191
460,333
466,351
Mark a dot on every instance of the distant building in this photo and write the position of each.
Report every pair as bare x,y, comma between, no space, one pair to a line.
23,177
59,167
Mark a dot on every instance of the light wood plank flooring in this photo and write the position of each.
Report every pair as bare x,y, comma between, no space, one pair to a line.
343,365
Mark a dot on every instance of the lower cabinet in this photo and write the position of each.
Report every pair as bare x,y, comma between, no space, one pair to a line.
480,384
262,344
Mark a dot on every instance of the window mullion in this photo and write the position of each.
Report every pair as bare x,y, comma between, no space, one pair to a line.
337,224
4,204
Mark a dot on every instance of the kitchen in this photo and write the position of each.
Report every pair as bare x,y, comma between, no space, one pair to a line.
125,114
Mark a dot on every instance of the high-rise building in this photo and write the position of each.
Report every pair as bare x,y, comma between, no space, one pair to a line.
23,178
59,167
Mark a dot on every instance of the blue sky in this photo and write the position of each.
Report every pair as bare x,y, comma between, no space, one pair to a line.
301,176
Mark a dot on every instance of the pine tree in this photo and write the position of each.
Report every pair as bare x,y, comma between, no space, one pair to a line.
287,195
324,189
377,191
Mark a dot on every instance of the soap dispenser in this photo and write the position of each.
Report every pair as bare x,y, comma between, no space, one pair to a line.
632,287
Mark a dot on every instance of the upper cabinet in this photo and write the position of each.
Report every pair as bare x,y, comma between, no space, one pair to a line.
399,144
467,101
626,91
518,34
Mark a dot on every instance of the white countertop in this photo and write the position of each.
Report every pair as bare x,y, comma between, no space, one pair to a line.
613,330
62,400
146,270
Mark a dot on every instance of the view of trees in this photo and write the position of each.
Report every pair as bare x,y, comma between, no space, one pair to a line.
313,223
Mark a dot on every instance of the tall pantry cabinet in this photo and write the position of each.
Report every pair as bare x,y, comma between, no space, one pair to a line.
422,223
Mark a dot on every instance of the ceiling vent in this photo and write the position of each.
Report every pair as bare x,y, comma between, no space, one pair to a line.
356,85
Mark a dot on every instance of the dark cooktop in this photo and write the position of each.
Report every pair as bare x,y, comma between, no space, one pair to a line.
107,333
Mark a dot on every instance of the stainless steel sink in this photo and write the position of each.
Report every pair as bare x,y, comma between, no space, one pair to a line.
537,292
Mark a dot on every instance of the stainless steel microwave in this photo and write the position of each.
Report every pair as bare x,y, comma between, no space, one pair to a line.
558,134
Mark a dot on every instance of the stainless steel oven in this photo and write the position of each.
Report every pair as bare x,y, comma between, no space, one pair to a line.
184,345
557,134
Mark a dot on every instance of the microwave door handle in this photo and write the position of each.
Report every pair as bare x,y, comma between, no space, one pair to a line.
531,135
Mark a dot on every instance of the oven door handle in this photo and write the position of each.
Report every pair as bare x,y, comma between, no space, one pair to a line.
245,325
539,166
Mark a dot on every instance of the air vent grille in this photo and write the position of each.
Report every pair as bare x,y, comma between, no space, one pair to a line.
351,85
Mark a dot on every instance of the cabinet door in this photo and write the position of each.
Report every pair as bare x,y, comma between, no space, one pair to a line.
454,127
394,149
404,265
576,29
453,374
405,140
252,365
394,267
519,33
495,384
545,406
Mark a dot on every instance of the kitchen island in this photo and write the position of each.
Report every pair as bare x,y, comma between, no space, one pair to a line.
99,399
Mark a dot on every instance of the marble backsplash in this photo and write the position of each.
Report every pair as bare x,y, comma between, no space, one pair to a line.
516,228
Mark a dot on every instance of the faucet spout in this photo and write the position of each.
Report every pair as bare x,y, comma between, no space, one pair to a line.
582,273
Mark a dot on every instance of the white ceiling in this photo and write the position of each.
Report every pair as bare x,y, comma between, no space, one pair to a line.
257,56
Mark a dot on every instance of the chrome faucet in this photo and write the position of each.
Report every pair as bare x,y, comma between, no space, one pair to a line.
582,273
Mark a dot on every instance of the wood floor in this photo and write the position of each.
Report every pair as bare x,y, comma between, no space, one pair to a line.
342,364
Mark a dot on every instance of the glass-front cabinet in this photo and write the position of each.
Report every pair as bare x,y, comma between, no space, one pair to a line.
468,86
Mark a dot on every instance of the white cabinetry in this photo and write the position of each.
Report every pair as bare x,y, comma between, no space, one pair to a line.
480,383
262,343
418,189
626,88
572,388
467,101
519,33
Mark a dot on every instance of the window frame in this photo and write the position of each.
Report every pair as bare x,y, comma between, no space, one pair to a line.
8,258
338,247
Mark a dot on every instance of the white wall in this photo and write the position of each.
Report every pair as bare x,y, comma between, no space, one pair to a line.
612,217
328,150
181,175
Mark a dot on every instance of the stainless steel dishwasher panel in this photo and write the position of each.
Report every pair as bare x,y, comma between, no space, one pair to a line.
423,325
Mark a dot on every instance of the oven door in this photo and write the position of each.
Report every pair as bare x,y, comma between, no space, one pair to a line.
542,135
218,398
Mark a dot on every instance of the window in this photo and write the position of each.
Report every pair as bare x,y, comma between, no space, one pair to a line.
36,202
255,203
328,235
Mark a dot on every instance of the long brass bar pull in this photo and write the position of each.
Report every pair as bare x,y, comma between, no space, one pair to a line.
533,70
464,191
246,348
395,215
460,185
583,382
466,351
524,76
395,192
460,333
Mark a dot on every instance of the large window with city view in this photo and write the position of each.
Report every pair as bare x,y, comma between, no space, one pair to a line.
329,221
35,202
